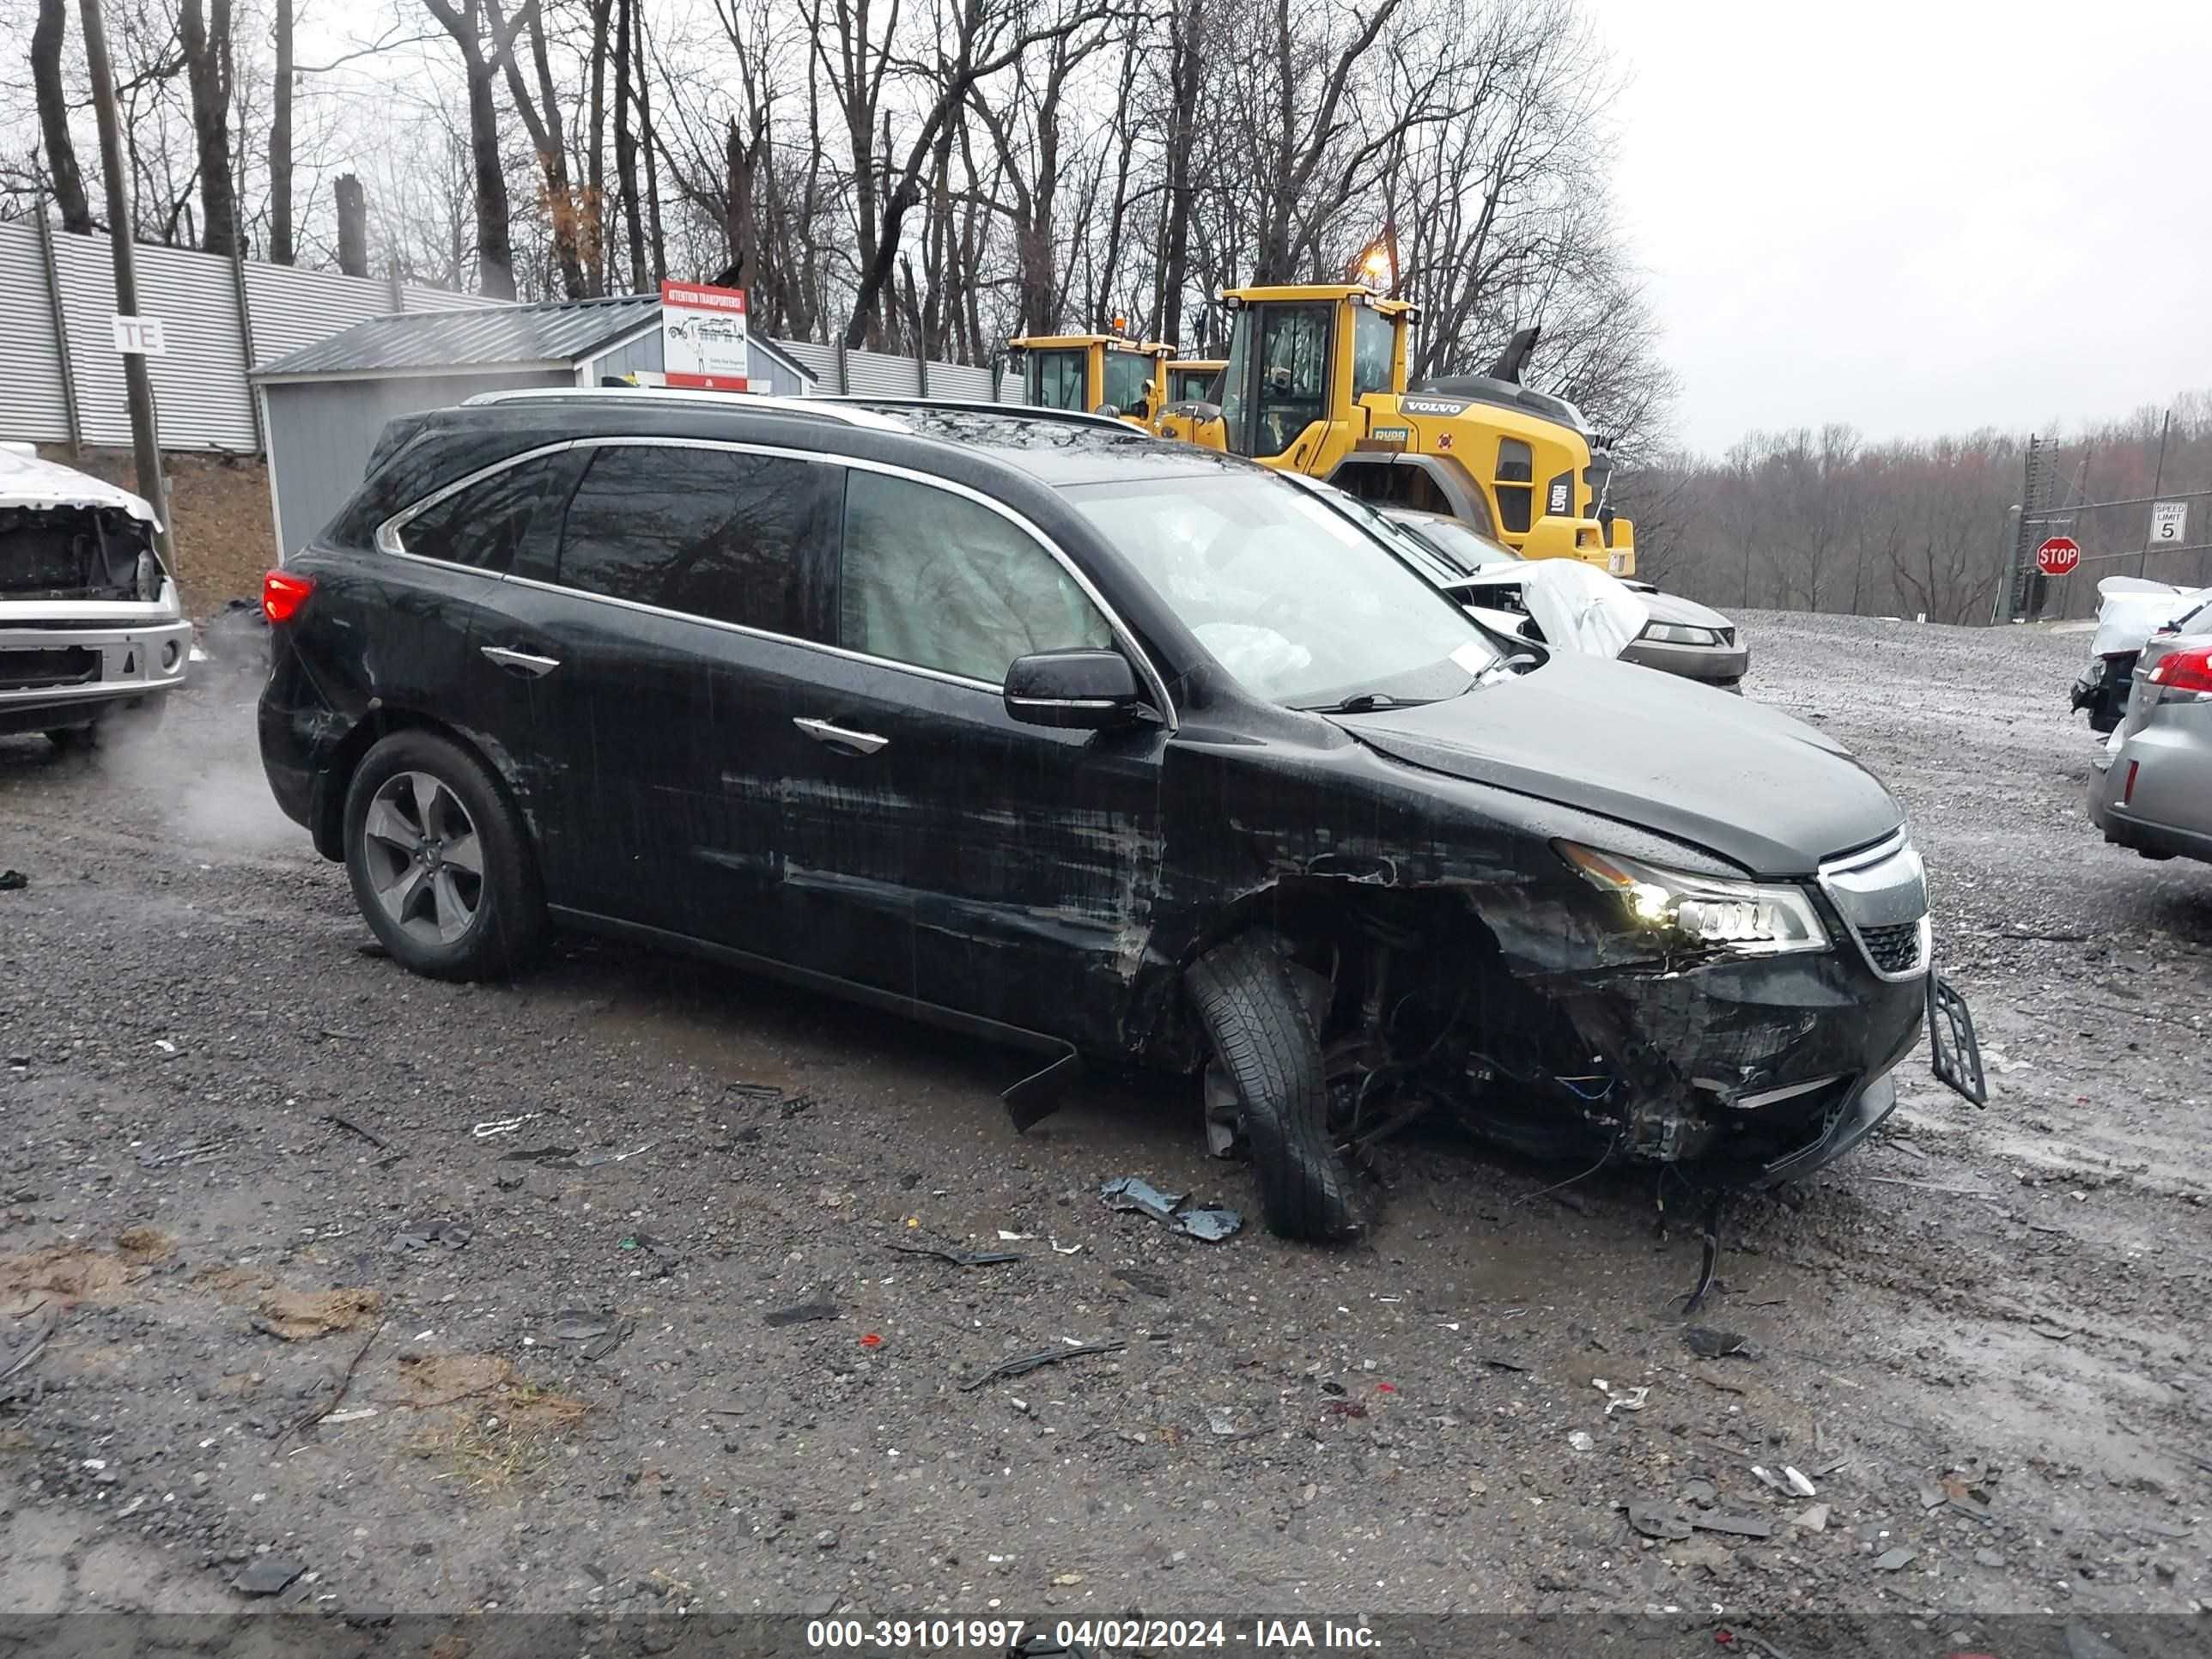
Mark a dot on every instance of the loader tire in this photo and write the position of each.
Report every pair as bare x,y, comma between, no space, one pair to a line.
1262,1035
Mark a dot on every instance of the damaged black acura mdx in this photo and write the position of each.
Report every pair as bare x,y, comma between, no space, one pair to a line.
1034,725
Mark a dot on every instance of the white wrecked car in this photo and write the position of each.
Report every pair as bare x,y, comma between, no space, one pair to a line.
2130,609
90,623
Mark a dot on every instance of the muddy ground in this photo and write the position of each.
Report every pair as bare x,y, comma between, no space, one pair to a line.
567,1385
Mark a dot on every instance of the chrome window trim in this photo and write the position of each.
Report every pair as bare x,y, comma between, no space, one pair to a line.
387,537
1881,852
387,541
754,402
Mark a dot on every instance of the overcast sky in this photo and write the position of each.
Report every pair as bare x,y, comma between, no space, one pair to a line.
1919,217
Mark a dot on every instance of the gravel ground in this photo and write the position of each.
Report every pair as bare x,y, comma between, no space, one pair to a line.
569,1383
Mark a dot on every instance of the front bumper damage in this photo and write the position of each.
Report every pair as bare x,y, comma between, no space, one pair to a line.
1568,1041
55,673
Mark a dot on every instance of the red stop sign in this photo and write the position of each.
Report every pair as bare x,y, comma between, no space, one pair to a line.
2058,555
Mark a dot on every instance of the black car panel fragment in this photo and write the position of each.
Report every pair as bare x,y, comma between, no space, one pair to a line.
886,710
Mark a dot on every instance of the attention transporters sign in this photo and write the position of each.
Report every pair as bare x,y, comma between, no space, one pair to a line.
703,340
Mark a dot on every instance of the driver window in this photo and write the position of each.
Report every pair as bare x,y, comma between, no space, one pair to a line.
935,579
1056,378
1293,374
1128,381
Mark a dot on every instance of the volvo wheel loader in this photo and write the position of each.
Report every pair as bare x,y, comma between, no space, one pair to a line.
1102,373
1315,382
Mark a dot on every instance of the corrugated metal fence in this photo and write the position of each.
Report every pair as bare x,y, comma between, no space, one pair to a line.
57,293
877,374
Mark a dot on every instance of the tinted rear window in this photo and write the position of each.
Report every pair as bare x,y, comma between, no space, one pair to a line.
711,532
485,524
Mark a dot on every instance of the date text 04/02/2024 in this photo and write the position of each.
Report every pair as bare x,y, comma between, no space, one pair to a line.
1000,1637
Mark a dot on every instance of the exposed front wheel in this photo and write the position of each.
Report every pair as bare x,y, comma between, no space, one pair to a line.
439,861
75,739
1265,1048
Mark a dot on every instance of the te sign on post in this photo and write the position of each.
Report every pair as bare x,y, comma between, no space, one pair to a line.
2058,555
2169,524
139,336
702,336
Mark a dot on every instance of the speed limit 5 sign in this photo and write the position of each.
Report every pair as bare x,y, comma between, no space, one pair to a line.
2169,524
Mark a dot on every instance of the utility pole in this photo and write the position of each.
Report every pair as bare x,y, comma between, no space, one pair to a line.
2157,484
145,445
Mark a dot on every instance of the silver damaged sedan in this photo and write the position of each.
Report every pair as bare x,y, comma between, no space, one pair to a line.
2151,787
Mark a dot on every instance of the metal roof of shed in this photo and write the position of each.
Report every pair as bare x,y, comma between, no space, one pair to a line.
558,334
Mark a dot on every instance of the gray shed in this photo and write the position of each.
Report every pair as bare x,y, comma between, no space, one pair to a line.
322,405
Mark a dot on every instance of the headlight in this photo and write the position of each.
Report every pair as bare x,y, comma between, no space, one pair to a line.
1679,634
1679,911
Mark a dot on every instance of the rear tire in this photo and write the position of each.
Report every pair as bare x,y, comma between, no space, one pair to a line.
441,864
1262,1038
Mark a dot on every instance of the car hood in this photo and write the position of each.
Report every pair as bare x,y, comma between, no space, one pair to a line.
1578,608
1760,789
1674,608
2131,609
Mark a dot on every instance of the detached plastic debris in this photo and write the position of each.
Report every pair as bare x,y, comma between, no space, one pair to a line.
13,881
1657,1520
1709,1344
958,1258
267,1575
1135,1193
1027,1363
421,1235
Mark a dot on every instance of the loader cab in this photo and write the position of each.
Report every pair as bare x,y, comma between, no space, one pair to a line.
1094,373
1196,379
1301,359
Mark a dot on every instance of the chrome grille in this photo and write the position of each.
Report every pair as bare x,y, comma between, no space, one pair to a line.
1881,893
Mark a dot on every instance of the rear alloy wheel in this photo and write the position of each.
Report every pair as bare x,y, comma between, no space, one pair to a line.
438,861
1264,1051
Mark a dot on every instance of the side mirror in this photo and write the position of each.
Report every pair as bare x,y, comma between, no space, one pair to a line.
1074,690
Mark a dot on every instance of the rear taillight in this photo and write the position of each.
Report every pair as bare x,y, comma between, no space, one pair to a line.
2183,671
282,593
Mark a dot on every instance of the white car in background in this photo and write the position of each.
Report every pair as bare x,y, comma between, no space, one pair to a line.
91,624
2130,611
1578,606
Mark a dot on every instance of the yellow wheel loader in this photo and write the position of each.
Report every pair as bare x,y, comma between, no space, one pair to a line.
1103,374
1316,383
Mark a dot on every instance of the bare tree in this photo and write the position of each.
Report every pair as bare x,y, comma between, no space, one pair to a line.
205,37
485,53
61,171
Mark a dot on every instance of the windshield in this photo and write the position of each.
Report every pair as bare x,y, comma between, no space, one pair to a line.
1298,604
1128,380
1466,548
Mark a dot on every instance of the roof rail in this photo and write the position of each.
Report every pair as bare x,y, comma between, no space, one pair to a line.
819,408
983,406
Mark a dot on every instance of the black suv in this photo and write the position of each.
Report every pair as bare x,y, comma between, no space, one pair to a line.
1078,739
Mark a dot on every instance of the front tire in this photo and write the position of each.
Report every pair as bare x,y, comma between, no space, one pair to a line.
1262,1037
441,864
75,739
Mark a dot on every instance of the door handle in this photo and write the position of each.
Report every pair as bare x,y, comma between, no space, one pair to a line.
864,743
521,662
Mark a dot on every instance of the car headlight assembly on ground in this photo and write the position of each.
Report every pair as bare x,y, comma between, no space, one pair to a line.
1677,911
1660,633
